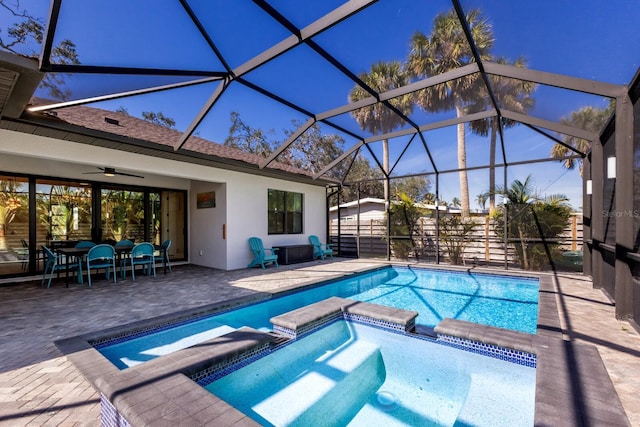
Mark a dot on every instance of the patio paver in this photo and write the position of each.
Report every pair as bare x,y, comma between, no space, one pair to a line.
39,386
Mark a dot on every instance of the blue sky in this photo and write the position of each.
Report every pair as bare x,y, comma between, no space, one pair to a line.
589,39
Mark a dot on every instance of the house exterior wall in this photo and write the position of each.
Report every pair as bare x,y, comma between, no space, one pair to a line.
207,243
33,154
247,215
241,198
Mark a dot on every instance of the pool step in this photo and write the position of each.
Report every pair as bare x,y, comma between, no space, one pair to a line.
487,404
138,350
333,389
328,377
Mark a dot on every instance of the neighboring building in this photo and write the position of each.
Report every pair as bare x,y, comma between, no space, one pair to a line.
372,208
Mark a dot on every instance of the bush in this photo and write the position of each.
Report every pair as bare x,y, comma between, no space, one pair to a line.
404,216
454,230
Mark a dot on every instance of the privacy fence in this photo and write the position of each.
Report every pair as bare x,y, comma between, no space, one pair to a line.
481,246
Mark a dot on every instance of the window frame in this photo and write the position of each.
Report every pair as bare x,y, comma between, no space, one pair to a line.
286,214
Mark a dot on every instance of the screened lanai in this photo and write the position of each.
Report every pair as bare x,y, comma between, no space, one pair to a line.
471,110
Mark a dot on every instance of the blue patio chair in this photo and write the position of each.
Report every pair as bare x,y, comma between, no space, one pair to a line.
320,250
260,257
102,256
123,261
85,244
54,263
142,254
163,255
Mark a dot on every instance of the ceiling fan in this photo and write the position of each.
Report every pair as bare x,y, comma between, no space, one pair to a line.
106,171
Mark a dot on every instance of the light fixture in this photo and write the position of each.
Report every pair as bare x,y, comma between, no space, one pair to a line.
611,167
589,188
109,172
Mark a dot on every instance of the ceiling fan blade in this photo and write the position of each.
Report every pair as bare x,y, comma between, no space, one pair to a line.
129,174
112,171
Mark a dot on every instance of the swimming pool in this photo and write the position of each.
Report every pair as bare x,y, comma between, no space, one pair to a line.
495,300
357,375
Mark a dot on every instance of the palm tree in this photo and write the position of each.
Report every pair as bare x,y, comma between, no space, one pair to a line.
482,199
592,119
510,94
378,118
446,49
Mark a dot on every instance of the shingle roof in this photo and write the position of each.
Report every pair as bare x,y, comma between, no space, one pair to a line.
125,125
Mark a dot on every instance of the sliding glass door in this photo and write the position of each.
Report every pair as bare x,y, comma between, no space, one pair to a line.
14,224
56,212
63,212
122,215
168,221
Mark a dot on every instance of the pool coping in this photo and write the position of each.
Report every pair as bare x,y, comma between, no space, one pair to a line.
160,392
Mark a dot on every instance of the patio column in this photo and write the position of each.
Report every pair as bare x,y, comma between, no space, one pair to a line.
587,214
597,208
505,209
437,203
387,208
624,206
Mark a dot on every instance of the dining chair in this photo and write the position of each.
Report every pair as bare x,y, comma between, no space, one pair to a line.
142,254
163,255
85,244
123,259
54,263
102,256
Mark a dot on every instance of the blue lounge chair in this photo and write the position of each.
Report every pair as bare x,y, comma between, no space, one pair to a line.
260,257
320,250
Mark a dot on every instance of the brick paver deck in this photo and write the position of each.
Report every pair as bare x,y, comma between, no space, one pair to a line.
40,387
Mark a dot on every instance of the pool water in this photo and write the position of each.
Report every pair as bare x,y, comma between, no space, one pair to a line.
500,301
357,375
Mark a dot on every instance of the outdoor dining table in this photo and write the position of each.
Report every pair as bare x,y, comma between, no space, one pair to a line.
75,253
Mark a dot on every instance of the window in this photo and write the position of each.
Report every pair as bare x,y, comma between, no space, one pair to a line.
63,211
285,212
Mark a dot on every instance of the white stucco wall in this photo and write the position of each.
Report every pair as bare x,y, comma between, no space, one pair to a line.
247,216
241,199
208,245
32,154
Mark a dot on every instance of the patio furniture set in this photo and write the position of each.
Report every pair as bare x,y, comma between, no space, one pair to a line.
121,256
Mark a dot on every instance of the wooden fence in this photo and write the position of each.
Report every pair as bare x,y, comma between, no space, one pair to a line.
368,239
